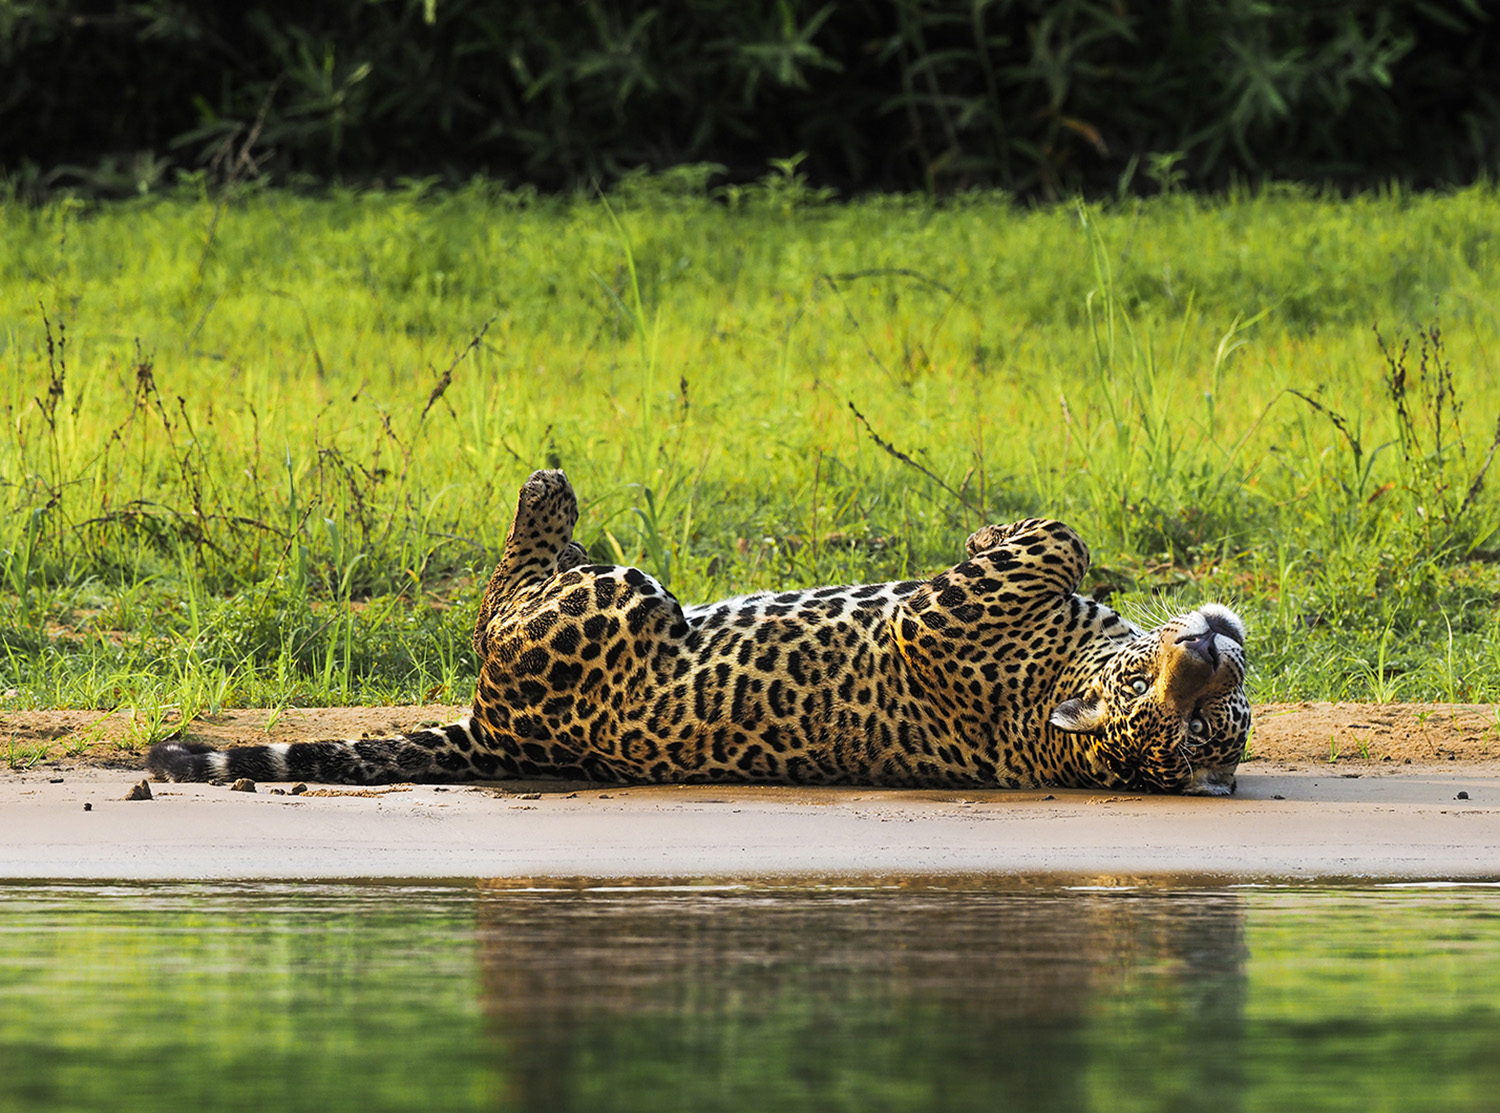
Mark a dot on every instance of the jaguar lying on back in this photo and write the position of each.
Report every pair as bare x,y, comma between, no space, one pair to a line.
992,673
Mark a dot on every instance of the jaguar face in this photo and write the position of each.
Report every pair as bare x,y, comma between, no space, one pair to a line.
1168,711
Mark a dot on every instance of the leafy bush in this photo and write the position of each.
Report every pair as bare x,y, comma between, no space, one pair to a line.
1034,96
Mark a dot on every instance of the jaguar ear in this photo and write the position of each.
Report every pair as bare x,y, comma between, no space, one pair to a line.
1079,715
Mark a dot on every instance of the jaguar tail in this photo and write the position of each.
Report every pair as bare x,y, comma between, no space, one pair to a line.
436,755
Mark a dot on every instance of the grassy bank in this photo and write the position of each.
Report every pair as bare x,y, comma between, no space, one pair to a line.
259,448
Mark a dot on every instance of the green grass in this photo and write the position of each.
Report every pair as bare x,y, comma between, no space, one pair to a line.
260,449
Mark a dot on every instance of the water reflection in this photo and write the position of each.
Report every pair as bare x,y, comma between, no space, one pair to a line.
919,996
904,998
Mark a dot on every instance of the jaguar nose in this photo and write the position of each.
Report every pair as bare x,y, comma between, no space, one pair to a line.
1203,645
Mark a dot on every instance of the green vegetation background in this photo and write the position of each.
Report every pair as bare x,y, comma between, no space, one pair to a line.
1043,98
260,448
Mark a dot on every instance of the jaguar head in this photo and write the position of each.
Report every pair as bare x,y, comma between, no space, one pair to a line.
1167,711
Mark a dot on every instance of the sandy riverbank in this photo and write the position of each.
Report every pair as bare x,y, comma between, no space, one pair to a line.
1331,791
1283,823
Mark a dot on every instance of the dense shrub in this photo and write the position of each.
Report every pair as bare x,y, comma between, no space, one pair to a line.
1035,96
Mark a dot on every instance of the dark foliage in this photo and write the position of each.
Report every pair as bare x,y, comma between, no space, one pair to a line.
1034,96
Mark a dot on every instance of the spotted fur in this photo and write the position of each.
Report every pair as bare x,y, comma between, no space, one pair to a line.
994,672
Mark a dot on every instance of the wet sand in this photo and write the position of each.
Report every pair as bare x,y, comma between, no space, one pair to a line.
1289,820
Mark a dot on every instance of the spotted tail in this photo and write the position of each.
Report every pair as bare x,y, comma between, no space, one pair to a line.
440,754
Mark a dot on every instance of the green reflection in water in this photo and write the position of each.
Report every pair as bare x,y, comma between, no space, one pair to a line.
940,995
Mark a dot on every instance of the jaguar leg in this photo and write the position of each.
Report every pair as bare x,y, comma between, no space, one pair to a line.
538,546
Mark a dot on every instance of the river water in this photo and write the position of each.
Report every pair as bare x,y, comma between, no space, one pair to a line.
904,994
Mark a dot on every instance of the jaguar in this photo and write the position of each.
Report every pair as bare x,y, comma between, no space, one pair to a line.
994,673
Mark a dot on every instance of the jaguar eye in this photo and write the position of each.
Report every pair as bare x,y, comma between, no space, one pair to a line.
1139,686
1197,726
